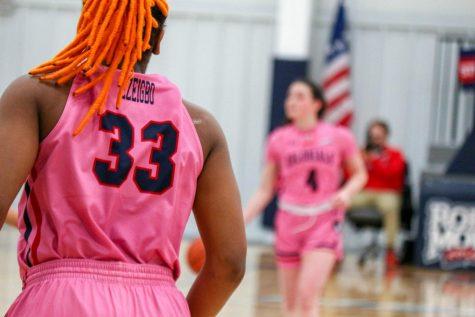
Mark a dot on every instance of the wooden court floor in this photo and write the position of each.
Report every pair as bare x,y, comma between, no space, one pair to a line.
353,291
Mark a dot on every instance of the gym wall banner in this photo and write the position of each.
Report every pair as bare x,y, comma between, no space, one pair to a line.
466,71
446,223
449,234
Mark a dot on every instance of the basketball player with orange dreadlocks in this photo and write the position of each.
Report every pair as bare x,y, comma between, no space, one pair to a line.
114,161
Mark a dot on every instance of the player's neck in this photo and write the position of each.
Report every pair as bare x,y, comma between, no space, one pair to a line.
140,68
305,124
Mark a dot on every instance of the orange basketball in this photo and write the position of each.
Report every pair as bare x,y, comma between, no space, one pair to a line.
196,255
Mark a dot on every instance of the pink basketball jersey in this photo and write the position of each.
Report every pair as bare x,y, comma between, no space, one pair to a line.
310,162
122,190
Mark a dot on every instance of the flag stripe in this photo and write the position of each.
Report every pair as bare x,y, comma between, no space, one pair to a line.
347,120
336,90
337,79
337,65
338,113
344,73
336,102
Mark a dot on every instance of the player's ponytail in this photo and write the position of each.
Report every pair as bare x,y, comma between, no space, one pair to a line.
114,33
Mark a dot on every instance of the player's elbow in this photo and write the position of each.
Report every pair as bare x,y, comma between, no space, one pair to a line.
230,265
235,265
364,177
236,271
266,192
360,174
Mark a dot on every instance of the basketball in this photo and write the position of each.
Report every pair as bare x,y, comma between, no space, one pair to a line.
196,255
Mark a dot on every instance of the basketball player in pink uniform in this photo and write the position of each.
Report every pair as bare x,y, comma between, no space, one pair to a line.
114,162
304,163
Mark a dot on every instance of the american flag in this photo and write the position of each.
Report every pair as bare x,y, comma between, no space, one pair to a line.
337,79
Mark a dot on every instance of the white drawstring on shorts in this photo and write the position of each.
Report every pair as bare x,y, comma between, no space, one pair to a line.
308,211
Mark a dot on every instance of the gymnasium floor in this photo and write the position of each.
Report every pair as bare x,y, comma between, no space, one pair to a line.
353,291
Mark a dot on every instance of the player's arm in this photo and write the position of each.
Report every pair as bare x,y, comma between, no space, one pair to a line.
218,213
12,218
19,140
264,194
358,175
357,178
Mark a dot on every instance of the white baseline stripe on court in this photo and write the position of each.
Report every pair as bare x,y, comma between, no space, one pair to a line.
400,307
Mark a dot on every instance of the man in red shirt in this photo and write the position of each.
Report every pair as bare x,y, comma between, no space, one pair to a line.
386,169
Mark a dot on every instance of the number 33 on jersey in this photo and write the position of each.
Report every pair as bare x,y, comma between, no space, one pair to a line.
163,140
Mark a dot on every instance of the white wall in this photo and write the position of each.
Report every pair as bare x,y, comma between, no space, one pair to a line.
433,14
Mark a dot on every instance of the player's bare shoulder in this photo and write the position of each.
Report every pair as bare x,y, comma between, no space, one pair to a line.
207,127
45,100
36,92
21,88
20,97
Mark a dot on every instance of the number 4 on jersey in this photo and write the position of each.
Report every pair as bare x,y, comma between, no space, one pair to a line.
312,180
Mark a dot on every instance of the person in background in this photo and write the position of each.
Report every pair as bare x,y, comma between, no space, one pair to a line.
304,162
386,168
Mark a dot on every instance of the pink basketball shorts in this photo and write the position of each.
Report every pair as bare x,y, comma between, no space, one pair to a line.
92,288
296,234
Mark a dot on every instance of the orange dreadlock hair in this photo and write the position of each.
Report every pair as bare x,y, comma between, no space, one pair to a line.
110,32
